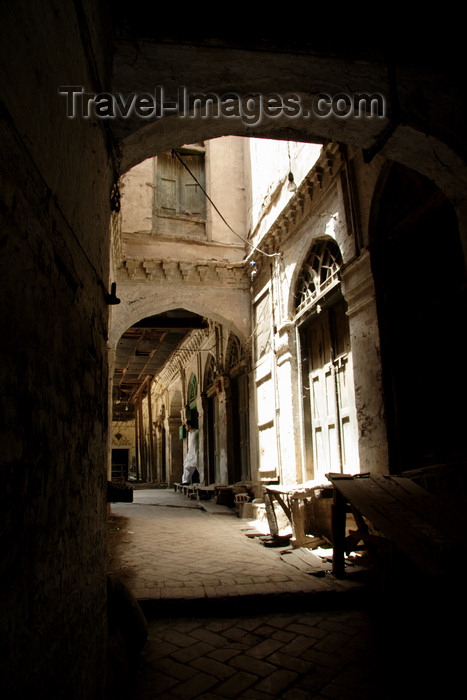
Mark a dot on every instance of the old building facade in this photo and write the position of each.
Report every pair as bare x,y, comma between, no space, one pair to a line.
288,377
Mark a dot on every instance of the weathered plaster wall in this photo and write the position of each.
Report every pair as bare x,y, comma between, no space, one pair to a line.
318,210
220,237
158,273
127,440
226,187
269,163
136,189
55,193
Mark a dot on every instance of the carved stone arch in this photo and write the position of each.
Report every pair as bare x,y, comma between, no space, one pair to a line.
427,144
210,373
127,314
176,403
235,353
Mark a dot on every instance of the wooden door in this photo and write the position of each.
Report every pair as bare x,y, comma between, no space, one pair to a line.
120,463
332,411
241,448
213,441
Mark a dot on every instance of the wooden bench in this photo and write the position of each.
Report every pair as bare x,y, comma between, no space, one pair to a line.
422,526
223,495
186,489
205,493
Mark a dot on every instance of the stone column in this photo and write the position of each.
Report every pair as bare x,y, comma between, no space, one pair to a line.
222,432
359,292
288,421
265,427
175,451
202,443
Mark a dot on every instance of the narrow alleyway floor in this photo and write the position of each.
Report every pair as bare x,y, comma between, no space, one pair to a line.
230,618
165,547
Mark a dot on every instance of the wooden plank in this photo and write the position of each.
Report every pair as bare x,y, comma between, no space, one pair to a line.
296,491
413,508
310,557
427,505
253,533
397,522
307,541
297,511
382,510
311,564
338,534
271,514
283,504
405,515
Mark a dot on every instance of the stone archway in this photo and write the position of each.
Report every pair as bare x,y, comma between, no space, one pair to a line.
244,70
144,305
420,282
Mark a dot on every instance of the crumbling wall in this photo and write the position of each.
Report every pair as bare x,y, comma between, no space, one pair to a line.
55,209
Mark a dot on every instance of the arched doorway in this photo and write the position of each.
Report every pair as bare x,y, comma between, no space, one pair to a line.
192,397
211,422
191,414
238,414
329,429
139,412
421,289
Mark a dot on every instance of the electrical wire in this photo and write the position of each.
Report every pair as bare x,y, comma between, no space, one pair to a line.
268,255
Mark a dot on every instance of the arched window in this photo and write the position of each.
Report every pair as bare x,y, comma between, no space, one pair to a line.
209,373
192,389
235,353
319,272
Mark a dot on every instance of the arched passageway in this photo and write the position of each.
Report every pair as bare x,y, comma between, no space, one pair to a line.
169,368
421,288
139,425
395,129
55,210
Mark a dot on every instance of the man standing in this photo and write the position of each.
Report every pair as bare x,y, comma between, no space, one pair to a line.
190,463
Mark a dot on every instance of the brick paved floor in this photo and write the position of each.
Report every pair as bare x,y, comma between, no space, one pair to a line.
294,656
221,622
165,547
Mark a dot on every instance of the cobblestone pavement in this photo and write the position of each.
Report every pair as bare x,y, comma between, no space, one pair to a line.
228,618
332,654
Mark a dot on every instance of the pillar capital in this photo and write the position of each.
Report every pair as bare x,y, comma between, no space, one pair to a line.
357,284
